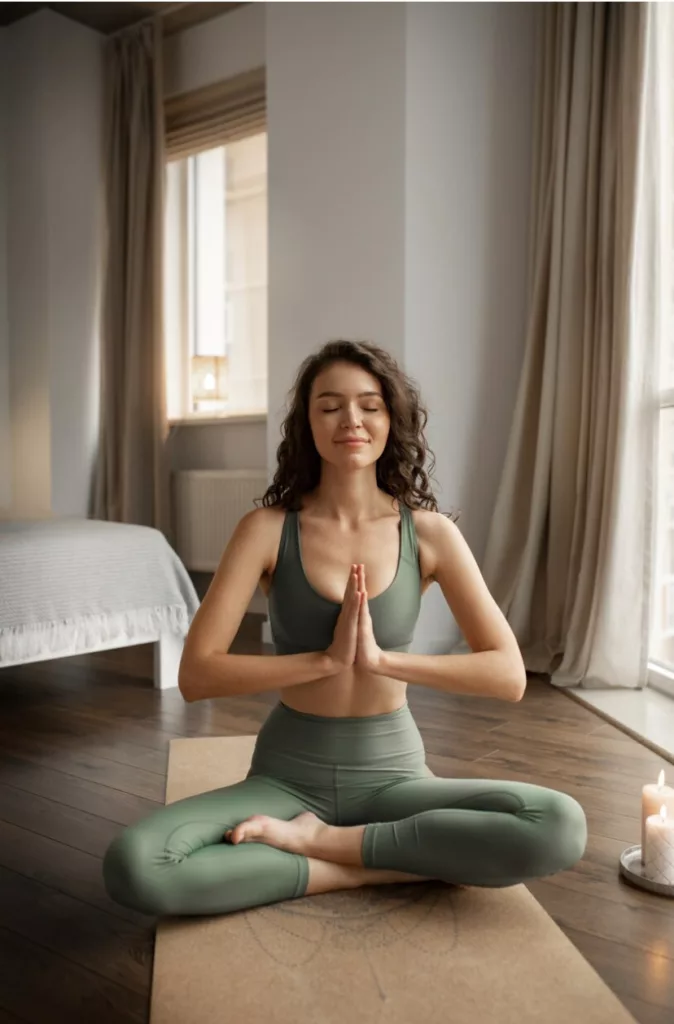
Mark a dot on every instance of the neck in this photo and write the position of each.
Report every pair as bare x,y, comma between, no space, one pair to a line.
350,498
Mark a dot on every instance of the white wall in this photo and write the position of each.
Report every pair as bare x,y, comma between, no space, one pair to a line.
470,84
53,191
5,417
75,208
218,48
336,181
27,261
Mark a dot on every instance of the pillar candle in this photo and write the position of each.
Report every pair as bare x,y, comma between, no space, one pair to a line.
652,798
659,865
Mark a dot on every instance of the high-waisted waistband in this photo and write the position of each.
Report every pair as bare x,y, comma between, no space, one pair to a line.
304,748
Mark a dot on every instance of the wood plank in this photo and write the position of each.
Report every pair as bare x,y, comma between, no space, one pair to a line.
647,1013
583,773
104,943
43,986
80,830
592,740
590,761
628,971
69,732
72,791
64,868
97,722
637,926
127,778
495,766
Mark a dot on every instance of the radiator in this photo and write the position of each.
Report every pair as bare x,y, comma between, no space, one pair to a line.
208,505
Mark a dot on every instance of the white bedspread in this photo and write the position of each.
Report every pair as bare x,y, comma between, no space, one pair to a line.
73,585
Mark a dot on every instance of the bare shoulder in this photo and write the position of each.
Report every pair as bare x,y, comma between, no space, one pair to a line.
265,524
434,531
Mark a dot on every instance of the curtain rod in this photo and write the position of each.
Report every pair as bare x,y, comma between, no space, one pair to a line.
169,9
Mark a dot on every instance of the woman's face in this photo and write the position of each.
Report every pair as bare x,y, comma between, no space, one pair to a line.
347,402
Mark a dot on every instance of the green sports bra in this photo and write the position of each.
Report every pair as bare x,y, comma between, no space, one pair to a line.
303,620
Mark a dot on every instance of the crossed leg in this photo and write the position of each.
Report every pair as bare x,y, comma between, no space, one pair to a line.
176,861
462,831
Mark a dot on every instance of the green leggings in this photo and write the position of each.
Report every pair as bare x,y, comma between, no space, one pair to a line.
349,771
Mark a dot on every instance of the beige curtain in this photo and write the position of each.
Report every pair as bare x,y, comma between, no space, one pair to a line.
132,481
569,553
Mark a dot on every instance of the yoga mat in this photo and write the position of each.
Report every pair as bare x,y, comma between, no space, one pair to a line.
396,954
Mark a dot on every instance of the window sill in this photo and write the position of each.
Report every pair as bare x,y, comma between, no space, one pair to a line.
211,421
646,715
661,678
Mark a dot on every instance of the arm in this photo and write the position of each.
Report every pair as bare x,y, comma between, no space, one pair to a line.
495,667
207,670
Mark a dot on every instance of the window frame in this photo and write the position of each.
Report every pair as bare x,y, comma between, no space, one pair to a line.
186,416
659,676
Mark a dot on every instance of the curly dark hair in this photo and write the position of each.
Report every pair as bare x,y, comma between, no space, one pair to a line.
400,468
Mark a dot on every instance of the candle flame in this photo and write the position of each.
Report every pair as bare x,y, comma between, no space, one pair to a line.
663,812
661,779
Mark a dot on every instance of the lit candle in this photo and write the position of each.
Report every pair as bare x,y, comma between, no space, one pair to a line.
652,799
659,865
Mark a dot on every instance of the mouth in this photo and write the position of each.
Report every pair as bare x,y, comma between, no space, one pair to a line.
352,444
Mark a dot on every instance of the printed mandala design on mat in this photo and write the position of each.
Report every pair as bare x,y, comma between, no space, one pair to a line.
420,915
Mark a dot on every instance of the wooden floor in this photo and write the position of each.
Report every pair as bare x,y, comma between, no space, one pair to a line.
84,744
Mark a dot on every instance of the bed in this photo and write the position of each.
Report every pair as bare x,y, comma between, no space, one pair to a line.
75,586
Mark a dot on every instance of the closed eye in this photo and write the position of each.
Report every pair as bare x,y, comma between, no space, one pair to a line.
364,410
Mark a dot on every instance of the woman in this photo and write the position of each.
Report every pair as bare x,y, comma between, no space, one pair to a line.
346,541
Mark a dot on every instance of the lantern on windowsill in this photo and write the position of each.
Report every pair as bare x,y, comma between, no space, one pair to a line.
209,379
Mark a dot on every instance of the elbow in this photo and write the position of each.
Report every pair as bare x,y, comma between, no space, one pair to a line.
512,676
199,678
517,685
186,680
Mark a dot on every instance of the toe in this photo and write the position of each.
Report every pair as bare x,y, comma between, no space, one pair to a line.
251,828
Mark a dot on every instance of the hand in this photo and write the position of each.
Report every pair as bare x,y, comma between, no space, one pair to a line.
368,653
342,650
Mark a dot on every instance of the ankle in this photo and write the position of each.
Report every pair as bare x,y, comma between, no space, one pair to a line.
321,842
340,844
326,876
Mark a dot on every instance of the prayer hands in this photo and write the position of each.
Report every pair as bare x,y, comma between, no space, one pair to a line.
368,651
353,641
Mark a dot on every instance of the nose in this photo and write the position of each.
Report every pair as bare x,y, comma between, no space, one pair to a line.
351,415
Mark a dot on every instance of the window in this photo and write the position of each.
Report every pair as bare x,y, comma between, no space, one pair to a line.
661,647
662,626
215,276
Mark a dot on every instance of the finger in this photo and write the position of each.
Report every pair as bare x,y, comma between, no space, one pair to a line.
354,581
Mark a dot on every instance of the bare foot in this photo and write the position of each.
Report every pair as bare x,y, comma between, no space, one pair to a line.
298,835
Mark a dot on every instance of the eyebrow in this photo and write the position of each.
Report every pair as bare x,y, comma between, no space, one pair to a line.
338,394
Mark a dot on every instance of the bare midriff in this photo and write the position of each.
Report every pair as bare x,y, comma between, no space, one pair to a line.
352,693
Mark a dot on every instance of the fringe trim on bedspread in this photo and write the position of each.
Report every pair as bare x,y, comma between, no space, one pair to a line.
79,635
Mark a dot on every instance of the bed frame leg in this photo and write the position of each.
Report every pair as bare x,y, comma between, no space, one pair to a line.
167,653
